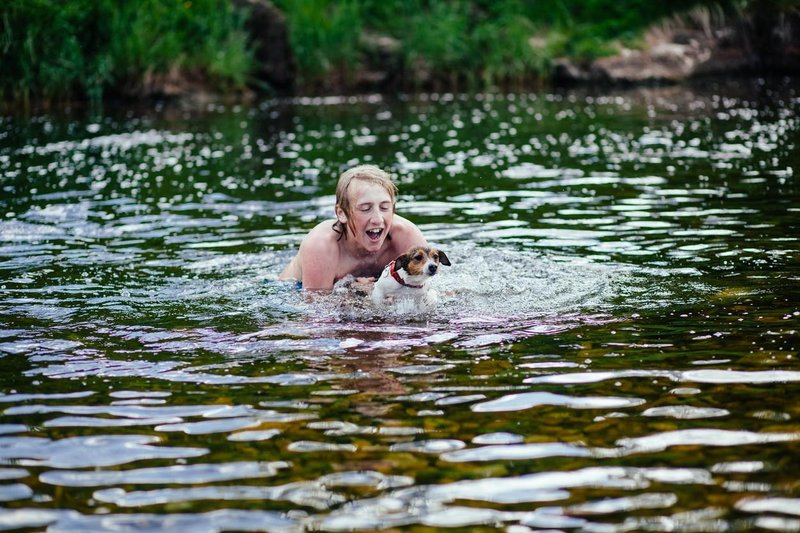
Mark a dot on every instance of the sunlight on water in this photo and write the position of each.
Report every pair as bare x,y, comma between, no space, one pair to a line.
614,347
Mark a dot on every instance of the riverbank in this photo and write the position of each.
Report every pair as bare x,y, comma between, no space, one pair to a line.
240,49
514,46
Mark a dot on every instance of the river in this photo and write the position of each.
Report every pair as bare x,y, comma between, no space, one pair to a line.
615,349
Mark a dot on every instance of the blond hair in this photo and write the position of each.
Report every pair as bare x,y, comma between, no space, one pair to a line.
365,173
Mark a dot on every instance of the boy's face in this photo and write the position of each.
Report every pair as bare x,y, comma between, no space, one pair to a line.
371,214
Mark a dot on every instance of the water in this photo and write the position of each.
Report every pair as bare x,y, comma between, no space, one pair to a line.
616,347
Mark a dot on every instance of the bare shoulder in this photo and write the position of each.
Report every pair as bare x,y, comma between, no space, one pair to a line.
316,260
319,250
406,234
321,239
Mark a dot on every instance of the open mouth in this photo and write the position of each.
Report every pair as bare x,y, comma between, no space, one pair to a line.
374,234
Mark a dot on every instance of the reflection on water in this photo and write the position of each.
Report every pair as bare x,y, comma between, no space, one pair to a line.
615,348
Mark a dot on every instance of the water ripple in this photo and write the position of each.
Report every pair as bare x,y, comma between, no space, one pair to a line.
179,474
696,376
510,452
685,412
84,452
526,400
790,506
15,491
700,437
435,446
58,520
653,500
301,493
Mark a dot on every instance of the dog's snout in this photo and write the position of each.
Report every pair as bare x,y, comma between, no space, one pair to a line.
432,269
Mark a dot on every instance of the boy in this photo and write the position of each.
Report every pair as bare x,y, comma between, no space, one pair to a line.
365,236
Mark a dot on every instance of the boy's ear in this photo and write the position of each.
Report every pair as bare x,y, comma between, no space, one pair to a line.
443,258
341,216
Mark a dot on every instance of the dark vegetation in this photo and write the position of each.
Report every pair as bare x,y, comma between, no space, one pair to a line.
55,49
52,50
477,43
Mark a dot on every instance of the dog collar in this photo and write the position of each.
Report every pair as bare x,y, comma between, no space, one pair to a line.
400,280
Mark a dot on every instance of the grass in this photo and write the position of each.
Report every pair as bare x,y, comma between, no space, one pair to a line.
324,38
53,50
476,43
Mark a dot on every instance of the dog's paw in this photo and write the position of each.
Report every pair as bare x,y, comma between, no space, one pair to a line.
362,286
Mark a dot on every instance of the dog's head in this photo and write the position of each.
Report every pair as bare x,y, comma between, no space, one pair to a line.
422,261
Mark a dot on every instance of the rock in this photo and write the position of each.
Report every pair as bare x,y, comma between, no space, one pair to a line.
566,72
665,62
266,25
382,61
186,85
764,40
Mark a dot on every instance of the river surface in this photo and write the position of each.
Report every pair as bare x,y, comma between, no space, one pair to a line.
615,349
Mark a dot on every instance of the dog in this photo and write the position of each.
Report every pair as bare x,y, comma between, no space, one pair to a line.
407,277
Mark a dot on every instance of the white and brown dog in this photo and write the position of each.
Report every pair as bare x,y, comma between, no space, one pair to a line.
407,277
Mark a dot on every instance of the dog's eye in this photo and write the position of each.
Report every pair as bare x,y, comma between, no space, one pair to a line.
435,257
418,258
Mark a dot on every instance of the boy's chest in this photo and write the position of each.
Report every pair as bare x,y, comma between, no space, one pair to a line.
367,267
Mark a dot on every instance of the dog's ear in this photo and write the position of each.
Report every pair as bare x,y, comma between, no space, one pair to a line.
401,263
443,258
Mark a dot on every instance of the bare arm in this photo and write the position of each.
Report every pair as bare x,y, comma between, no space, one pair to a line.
318,260
406,234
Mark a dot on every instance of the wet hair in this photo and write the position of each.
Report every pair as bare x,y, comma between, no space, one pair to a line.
368,174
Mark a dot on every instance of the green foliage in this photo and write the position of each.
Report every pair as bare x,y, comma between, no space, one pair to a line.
511,49
591,27
482,42
41,55
324,36
54,49
440,35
